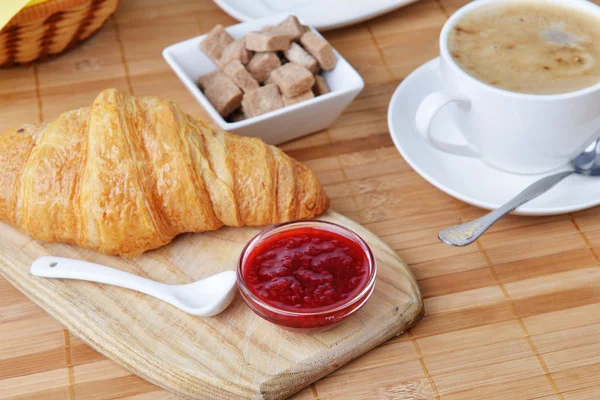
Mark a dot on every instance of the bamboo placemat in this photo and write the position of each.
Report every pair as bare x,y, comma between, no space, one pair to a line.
516,316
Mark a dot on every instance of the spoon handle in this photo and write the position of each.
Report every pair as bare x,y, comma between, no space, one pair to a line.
467,233
57,267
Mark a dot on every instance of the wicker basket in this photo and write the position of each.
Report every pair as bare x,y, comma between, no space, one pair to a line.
50,28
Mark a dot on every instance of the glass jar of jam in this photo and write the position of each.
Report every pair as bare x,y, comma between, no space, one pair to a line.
306,275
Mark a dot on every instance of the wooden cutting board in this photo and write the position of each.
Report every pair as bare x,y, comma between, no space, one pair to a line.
235,355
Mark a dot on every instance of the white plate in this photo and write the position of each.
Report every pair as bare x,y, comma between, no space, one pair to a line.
284,124
321,14
469,179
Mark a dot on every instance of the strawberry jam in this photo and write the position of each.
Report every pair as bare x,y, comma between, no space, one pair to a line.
306,273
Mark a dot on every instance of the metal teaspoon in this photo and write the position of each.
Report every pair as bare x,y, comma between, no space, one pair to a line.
587,163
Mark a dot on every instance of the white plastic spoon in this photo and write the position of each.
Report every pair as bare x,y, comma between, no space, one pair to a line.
204,298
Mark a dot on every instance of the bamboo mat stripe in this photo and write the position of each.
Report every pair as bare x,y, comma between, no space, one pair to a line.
69,364
38,97
123,56
515,317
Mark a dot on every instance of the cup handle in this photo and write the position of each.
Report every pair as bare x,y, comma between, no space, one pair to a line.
427,111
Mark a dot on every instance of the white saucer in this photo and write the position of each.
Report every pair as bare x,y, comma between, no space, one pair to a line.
320,14
469,179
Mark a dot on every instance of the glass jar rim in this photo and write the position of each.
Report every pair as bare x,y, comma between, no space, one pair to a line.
316,224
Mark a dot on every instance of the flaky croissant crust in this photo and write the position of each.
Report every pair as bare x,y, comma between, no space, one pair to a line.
128,174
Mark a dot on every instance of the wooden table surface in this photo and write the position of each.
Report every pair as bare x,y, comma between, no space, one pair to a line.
515,316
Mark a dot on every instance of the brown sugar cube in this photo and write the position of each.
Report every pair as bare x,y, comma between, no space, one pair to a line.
240,75
235,50
320,49
205,80
267,41
290,27
293,100
320,87
292,79
224,95
215,42
261,65
299,56
262,100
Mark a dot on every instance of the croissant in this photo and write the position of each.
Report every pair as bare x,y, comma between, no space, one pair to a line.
129,174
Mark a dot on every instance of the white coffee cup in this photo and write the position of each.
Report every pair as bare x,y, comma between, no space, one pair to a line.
515,132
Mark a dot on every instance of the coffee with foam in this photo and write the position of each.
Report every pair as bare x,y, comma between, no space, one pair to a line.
536,47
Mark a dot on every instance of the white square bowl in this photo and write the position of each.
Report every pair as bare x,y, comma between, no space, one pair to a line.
189,62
